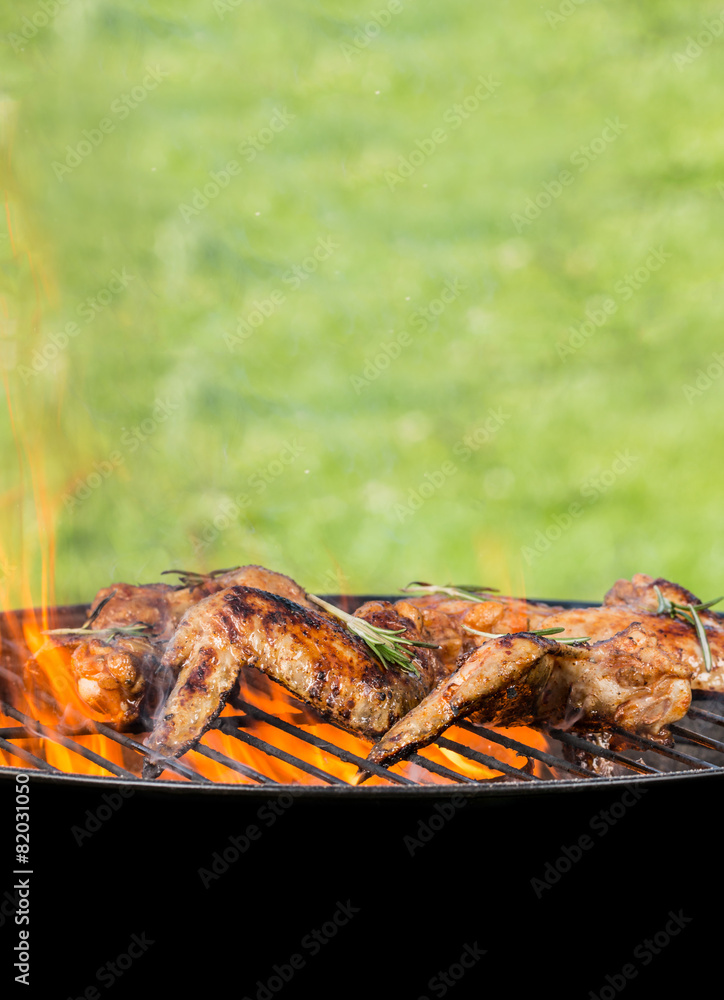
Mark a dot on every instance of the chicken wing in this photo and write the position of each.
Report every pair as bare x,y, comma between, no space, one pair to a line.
119,674
307,651
629,680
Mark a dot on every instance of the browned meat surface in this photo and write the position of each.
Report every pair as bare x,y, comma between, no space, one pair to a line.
119,676
310,653
627,601
158,605
639,594
443,619
628,679
116,677
162,606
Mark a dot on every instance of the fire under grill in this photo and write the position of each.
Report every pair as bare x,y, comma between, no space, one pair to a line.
268,740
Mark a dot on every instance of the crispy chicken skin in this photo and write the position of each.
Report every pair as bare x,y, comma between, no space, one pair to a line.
443,620
626,601
119,676
116,677
307,651
628,680
162,606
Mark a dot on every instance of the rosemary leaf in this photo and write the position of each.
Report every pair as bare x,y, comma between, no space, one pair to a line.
386,644
689,613
566,640
461,593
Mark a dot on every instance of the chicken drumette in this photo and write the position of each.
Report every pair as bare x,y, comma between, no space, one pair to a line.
636,671
307,651
118,671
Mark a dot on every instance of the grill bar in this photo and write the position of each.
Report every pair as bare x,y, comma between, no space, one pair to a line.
234,765
683,758
444,772
301,734
28,757
56,737
657,756
230,725
169,763
524,750
703,741
595,751
701,713
482,758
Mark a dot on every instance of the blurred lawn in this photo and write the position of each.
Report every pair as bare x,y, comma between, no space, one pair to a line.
309,446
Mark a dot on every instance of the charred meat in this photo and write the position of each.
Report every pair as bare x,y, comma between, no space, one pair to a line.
628,680
310,653
118,672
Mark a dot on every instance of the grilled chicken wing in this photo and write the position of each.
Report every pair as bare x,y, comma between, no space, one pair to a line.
310,653
627,601
443,620
628,679
118,675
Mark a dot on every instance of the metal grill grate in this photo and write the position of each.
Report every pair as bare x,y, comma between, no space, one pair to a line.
569,759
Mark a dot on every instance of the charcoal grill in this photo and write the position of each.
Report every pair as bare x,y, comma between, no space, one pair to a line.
571,762
98,878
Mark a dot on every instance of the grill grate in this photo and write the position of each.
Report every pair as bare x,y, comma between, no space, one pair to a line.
570,760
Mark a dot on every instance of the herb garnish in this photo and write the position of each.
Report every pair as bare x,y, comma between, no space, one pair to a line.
541,631
461,593
690,614
384,643
112,632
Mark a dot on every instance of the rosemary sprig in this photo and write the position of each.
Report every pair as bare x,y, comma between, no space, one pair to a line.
567,640
189,578
690,614
384,643
112,632
461,593
89,622
140,628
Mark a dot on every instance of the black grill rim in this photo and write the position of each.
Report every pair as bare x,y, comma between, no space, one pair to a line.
487,789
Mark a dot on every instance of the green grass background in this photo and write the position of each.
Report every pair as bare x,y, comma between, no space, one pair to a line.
332,518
